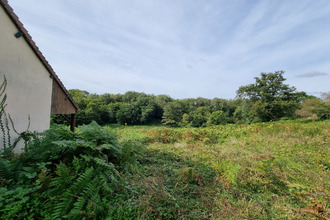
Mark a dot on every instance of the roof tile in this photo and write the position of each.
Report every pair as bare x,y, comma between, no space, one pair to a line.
34,47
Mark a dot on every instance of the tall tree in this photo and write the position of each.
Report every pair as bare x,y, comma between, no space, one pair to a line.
271,98
173,113
200,116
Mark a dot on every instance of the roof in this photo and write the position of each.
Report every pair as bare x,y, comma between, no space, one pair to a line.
34,47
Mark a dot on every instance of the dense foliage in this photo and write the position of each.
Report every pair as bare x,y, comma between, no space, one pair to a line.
315,107
68,175
274,170
268,99
261,171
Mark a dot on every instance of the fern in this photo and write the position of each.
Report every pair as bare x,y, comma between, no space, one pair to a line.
63,179
5,171
73,201
70,175
231,171
63,206
10,171
104,183
97,162
77,210
82,180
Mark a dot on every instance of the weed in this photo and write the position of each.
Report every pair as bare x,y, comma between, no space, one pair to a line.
259,171
277,170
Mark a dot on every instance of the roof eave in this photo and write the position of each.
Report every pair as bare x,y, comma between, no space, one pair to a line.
10,12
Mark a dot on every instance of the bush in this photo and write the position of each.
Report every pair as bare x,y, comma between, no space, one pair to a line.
67,175
218,118
315,108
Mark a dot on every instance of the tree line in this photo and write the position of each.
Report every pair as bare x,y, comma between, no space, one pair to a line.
268,99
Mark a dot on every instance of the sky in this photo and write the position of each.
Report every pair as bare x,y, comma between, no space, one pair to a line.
181,48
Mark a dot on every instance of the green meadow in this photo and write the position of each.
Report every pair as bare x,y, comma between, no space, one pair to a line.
273,170
260,171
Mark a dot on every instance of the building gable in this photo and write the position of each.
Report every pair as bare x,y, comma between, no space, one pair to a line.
34,91
22,32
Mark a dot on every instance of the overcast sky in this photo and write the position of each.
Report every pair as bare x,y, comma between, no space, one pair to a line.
182,48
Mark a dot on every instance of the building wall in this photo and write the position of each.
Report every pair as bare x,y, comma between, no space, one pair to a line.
29,87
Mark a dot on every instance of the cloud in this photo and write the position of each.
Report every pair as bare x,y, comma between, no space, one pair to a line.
311,74
180,48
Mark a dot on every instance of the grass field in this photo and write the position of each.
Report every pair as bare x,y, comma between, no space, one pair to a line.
274,170
277,170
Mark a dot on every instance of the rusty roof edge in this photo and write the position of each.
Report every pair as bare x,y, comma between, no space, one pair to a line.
10,12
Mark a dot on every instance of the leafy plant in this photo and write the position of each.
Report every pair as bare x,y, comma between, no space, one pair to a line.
258,171
69,175
271,99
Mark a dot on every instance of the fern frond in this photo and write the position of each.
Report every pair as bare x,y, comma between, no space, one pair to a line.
98,162
78,208
63,206
105,184
5,170
62,180
82,180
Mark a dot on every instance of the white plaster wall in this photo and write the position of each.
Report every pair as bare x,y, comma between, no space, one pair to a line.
29,87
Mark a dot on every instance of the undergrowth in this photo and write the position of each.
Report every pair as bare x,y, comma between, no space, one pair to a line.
68,175
276,170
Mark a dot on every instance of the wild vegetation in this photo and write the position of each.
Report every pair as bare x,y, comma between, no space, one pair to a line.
65,175
264,170
269,170
212,168
268,99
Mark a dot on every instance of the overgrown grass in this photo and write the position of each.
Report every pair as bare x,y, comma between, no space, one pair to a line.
267,170
276,170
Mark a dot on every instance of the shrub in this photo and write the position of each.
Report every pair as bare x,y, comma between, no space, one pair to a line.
66,175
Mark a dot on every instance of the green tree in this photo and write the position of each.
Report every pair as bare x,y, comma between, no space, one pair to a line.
80,97
323,110
218,118
185,121
161,102
92,112
189,105
132,108
227,106
219,105
241,114
271,99
130,96
128,113
148,107
173,112
112,109
202,102
200,116
315,107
